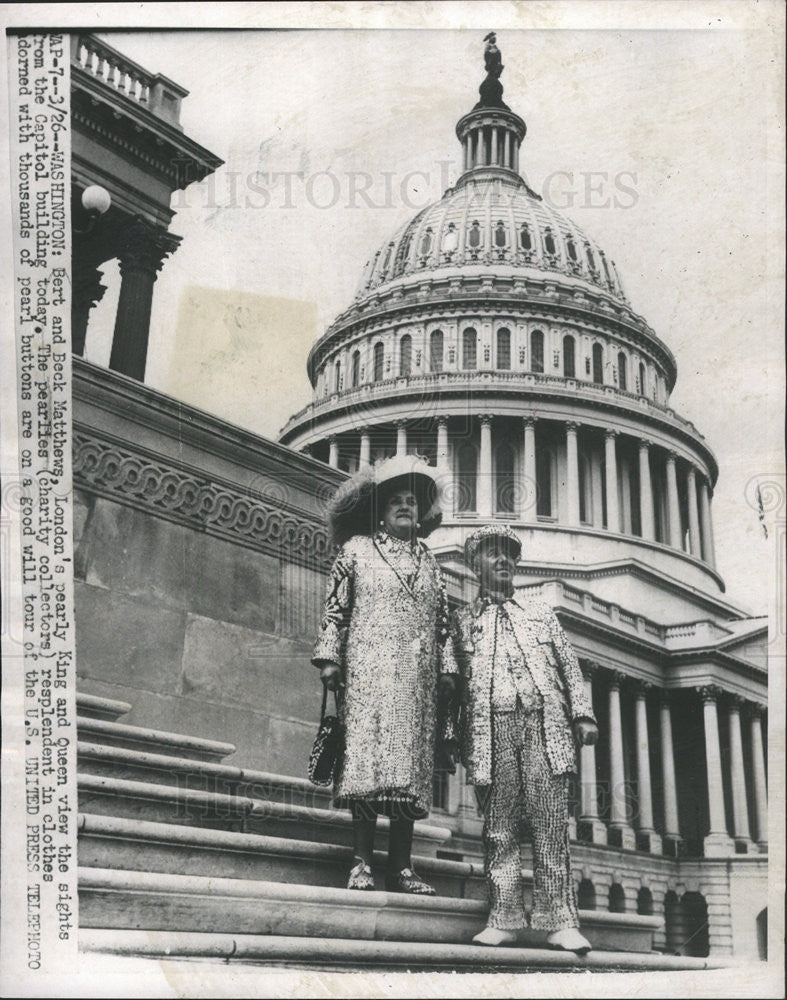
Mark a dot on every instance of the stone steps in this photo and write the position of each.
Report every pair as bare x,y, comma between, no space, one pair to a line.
119,734
138,845
92,706
153,901
154,802
344,955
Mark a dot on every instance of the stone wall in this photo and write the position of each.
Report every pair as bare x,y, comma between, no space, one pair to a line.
200,566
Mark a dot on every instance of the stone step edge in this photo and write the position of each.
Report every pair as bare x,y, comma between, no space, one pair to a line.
165,762
214,886
236,805
140,734
342,951
97,707
172,834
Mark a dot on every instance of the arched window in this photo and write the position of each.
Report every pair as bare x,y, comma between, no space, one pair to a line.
525,239
467,463
337,385
549,243
569,360
571,249
617,898
501,239
426,242
642,386
504,349
586,895
450,239
469,342
695,912
474,236
402,254
379,354
505,482
356,368
436,351
388,256
622,372
598,364
591,258
405,355
543,482
537,351
645,902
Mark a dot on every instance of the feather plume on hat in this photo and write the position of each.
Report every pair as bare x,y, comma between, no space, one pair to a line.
355,507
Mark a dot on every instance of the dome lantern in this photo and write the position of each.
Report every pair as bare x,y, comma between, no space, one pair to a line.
491,134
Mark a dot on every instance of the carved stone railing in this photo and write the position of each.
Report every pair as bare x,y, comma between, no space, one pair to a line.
117,72
435,381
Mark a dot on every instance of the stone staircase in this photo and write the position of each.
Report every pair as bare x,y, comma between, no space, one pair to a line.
186,856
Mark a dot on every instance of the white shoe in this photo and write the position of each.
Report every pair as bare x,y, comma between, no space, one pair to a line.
494,937
569,939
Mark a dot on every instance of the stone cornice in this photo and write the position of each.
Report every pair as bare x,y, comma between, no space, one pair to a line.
166,489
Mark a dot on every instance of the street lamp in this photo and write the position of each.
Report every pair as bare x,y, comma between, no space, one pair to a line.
95,201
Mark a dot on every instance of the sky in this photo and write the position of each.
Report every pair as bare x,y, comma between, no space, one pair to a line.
657,142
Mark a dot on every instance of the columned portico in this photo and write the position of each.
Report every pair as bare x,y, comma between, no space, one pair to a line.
740,808
718,842
645,491
758,773
694,517
673,503
572,474
647,838
484,495
671,823
530,484
592,826
620,831
611,480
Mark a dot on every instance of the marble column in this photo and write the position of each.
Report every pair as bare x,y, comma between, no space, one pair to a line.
141,255
673,503
484,491
611,477
706,527
401,437
718,842
507,149
593,827
87,292
620,831
740,806
760,784
364,458
572,474
694,517
530,483
493,159
442,444
333,454
645,491
647,837
671,821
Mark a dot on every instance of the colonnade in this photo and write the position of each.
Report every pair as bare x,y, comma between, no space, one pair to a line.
617,828
692,532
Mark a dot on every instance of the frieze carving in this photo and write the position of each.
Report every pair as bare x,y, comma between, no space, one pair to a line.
112,471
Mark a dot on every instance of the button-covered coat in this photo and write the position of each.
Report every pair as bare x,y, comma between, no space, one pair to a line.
553,667
388,631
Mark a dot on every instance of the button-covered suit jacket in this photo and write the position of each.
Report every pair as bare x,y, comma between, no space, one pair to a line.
552,664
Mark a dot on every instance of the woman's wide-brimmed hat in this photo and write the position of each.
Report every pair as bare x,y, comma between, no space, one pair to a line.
355,507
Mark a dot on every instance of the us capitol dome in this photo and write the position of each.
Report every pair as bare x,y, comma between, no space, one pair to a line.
493,335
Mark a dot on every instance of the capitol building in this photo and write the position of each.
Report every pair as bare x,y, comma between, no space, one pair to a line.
494,337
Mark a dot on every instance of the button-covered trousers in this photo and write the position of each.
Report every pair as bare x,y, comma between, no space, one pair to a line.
525,794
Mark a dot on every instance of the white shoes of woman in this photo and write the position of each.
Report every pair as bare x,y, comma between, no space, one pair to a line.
568,939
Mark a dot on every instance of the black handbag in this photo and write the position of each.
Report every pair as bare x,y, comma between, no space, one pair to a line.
327,756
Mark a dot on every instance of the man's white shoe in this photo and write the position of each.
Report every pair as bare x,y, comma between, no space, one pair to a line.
569,939
495,937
